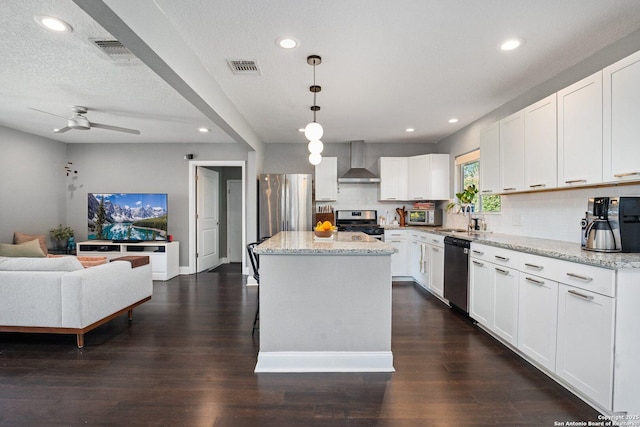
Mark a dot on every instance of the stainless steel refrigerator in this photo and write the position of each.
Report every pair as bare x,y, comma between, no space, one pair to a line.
284,203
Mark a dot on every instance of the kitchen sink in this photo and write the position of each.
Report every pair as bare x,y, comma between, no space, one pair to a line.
453,230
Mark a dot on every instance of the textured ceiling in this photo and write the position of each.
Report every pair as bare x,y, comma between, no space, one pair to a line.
386,65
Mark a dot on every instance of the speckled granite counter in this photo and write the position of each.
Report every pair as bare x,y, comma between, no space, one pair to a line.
567,251
305,243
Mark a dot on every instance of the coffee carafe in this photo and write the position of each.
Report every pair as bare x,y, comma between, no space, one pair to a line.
598,232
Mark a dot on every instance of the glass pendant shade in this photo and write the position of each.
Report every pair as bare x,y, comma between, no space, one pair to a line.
313,131
315,158
315,146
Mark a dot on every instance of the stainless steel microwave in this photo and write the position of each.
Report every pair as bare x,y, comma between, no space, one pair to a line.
425,217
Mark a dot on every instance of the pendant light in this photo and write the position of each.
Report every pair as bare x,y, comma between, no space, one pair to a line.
313,131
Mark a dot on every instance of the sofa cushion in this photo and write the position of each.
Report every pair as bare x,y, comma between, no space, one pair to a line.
27,249
68,263
24,238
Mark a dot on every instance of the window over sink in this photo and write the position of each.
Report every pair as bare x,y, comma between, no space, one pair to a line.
468,173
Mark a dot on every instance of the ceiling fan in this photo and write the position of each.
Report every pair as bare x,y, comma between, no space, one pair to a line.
79,122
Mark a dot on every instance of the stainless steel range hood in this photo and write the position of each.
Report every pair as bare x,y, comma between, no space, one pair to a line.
358,173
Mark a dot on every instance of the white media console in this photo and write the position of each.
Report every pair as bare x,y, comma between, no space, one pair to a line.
164,256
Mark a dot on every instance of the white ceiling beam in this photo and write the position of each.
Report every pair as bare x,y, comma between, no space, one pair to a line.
147,32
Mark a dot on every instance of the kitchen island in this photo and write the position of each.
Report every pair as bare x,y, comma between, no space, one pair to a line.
325,304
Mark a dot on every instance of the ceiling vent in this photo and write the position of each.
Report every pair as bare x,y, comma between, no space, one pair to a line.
244,66
114,49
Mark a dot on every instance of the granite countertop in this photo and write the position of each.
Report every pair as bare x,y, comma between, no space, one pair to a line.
567,251
305,243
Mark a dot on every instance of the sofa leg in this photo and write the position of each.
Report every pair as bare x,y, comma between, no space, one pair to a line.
80,340
130,313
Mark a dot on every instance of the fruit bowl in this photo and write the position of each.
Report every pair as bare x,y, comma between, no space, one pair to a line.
323,233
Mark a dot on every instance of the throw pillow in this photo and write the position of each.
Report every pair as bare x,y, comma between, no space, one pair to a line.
29,249
68,263
24,238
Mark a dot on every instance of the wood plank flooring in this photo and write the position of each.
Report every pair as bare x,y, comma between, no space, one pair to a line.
187,359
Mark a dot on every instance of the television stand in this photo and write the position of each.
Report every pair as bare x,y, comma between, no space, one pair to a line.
163,256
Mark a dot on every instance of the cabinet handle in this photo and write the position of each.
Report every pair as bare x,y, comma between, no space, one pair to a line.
534,281
577,276
391,198
579,295
622,175
574,181
537,185
396,241
435,240
419,197
509,189
499,270
435,249
501,258
487,191
537,267
477,252
480,264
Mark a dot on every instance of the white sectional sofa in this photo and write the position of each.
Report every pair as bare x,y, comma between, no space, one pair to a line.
59,295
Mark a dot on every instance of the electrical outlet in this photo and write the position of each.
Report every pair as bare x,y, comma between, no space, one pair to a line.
516,220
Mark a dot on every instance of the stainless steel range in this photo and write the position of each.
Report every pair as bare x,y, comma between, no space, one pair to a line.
365,221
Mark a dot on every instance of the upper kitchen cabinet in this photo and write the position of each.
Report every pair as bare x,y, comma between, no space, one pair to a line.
490,160
621,124
429,177
327,180
580,133
393,178
540,145
512,153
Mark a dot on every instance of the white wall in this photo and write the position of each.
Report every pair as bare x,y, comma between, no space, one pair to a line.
33,180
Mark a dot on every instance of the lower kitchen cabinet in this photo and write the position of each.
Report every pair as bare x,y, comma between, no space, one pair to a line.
399,260
481,292
506,302
538,319
419,260
436,265
585,342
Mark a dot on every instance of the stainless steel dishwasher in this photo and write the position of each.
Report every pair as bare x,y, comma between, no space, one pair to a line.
456,272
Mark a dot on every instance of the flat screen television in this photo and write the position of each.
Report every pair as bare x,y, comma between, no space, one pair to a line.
127,217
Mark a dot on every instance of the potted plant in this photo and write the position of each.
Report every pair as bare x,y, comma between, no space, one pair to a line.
61,235
465,199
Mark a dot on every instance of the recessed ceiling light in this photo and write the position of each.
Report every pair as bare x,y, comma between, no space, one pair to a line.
409,129
53,24
301,130
453,120
287,42
511,44
204,130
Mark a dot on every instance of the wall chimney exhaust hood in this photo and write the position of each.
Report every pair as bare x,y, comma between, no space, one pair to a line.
358,173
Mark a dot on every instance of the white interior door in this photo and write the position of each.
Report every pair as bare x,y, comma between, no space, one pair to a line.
208,219
234,220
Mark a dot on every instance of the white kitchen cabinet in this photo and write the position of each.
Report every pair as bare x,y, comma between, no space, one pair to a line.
435,248
585,342
481,291
512,153
490,160
399,260
506,291
540,144
393,178
621,109
538,319
429,177
580,133
419,260
327,180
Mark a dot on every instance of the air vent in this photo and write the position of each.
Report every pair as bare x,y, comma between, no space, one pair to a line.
244,66
114,49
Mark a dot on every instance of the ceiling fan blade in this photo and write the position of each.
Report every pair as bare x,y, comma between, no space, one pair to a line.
46,112
116,128
62,130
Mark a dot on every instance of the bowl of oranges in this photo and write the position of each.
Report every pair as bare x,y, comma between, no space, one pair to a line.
324,229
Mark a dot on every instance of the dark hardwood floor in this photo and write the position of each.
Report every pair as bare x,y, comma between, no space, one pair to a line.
187,359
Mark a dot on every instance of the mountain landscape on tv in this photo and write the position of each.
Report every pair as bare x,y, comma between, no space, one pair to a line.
127,216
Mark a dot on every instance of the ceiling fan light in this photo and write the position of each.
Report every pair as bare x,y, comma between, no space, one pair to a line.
313,131
315,146
315,159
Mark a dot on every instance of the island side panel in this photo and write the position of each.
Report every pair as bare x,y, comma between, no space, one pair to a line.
315,303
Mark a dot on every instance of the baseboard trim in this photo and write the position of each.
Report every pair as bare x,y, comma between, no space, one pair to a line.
325,361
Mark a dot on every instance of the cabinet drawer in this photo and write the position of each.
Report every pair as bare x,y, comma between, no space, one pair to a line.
390,235
431,239
505,257
587,277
